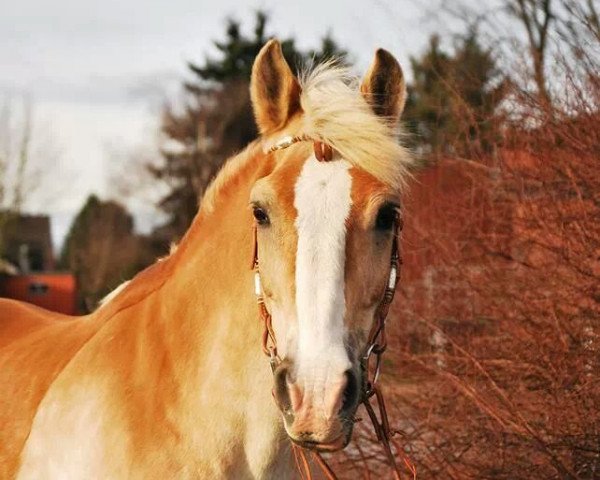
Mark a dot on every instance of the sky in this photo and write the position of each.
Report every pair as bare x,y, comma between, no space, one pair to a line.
96,72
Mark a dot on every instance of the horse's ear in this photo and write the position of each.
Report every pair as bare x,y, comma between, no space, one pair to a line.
274,89
383,86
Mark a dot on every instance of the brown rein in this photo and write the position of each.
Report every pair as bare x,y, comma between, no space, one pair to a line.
376,346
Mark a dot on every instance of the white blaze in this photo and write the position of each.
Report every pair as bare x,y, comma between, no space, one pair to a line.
322,200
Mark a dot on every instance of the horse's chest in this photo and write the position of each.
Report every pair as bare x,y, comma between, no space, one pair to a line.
72,436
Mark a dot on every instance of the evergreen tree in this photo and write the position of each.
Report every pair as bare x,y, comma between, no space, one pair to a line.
452,106
217,118
102,250
428,104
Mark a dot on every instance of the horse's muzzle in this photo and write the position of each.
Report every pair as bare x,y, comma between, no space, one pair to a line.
317,416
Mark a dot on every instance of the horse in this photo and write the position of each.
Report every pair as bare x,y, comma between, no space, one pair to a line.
168,378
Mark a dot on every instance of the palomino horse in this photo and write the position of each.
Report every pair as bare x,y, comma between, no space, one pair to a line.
168,379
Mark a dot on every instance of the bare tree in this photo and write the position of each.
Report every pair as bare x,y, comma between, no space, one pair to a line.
15,142
582,15
26,157
536,17
578,27
506,23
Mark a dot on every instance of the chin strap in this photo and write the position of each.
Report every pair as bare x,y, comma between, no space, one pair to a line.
303,466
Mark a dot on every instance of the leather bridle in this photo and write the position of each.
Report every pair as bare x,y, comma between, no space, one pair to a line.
376,345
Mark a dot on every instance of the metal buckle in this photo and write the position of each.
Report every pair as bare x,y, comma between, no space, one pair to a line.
370,383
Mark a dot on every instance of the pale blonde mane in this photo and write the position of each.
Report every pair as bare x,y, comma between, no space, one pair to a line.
337,113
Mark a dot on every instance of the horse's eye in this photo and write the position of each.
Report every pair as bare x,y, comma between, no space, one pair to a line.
386,217
260,215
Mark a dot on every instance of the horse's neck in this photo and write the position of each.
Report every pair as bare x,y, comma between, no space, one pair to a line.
209,292
215,331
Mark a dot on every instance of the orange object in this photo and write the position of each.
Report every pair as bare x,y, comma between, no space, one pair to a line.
52,291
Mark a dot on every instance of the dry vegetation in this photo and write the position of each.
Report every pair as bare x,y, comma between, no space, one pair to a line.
500,333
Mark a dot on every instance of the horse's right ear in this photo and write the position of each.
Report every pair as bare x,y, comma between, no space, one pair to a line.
274,89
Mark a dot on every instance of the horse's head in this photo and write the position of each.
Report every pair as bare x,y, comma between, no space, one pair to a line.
325,232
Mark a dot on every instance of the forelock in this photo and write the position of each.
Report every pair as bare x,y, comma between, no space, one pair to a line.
336,113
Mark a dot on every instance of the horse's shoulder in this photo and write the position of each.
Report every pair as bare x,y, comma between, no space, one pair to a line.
42,353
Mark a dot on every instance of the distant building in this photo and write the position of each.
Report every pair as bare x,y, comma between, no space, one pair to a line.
27,266
27,243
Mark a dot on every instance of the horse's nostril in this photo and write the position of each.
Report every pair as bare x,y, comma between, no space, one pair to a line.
350,397
282,394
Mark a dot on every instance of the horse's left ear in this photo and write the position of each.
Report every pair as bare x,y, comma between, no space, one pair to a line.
274,89
383,86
